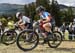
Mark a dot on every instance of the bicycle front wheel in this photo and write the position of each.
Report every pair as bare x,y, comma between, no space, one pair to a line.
56,40
8,37
27,40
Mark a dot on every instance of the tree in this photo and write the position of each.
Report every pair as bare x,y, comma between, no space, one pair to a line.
32,8
26,9
55,11
68,15
45,3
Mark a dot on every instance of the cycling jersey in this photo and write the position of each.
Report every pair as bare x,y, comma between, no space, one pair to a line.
25,19
45,15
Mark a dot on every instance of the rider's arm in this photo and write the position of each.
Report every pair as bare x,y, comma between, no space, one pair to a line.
22,24
48,19
40,20
24,20
20,21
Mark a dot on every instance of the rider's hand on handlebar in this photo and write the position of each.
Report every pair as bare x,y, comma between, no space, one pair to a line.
39,21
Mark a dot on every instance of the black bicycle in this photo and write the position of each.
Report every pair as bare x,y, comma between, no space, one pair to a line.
9,36
30,38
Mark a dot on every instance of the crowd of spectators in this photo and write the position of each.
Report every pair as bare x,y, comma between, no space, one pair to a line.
67,30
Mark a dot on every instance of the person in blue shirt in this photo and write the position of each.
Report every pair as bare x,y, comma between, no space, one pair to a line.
46,19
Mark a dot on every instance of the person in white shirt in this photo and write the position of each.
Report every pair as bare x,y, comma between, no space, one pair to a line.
24,21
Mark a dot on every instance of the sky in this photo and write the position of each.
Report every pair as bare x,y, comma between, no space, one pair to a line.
65,2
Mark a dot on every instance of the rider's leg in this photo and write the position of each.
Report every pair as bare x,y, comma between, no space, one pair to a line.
47,27
22,27
44,34
45,37
46,30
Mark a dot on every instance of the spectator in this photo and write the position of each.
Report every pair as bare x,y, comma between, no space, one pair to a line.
63,27
70,30
73,28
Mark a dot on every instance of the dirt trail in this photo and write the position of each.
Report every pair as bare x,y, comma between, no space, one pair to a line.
65,47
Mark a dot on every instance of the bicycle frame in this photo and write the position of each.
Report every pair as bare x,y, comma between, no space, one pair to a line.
40,30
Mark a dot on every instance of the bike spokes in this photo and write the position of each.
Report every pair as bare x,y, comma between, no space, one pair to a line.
56,40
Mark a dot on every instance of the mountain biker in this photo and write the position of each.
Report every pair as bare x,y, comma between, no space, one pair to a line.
10,23
45,19
24,21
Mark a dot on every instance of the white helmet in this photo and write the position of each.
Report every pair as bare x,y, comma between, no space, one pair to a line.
17,14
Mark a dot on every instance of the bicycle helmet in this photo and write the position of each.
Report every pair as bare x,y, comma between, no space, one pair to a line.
18,14
39,9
